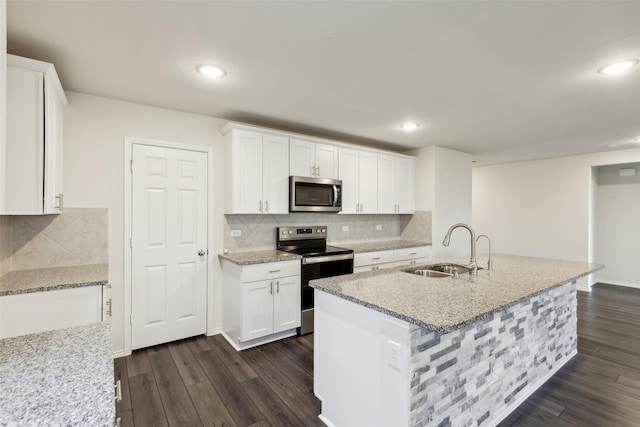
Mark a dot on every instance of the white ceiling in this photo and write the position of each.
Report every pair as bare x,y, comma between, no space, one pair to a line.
504,81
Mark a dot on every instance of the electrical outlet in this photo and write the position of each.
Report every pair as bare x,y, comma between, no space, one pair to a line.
345,228
395,354
236,233
379,227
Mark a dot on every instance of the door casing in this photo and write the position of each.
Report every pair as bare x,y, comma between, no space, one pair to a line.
128,205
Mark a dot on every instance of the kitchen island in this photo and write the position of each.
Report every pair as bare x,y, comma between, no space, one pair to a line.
394,348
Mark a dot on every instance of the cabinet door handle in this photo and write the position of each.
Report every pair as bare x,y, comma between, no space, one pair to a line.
266,206
313,171
413,253
109,307
278,287
274,271
357,207
271,288
60,201
260,203
118,422
318,171
375,258
118,388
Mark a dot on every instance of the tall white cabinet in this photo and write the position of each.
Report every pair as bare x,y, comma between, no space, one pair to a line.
395,184
33,163
358,171
258,172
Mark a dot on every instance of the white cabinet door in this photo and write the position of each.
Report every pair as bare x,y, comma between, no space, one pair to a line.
257,309
326,161
302,159
385,184
246,196
25,141
52,150
403,184
286,303
368,182
313,160
275,174
348,173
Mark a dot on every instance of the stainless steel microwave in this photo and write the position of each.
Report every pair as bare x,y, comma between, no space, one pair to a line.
314,194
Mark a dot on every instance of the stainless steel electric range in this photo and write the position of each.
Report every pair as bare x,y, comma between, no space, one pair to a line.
318,261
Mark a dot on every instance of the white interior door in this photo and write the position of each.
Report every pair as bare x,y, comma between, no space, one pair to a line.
169,244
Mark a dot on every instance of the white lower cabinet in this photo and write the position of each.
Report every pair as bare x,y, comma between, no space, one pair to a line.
261,302
377,260
30,313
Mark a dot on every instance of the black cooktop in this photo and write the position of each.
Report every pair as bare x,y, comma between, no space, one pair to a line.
318,251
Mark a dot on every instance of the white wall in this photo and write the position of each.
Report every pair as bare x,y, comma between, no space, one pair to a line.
94,131
443,186
618,227
540,208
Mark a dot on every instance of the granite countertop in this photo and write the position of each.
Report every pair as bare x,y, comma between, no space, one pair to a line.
55,278
259,257
446,304
274,255
58,378
382,245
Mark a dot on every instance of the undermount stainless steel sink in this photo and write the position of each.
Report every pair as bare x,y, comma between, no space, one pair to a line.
441,270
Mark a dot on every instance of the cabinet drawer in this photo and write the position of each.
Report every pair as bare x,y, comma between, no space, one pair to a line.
411,262
411,253
373,267
372,258
252,273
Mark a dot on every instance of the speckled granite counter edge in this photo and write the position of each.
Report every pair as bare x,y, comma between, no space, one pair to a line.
18,282
260,257
382,245
428,326
57,287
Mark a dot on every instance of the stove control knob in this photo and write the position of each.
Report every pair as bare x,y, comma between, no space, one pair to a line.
290,231
318,230
284,231
324,230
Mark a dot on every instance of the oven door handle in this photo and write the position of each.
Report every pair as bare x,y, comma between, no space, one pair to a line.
328,258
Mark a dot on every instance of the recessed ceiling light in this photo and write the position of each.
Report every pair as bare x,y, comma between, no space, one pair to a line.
618,67
211,71
409,126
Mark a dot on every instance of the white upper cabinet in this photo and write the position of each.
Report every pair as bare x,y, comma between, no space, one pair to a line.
395,184
358,171
313,159
258,173
33,163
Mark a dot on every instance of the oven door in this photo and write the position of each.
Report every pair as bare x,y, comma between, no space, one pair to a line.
318,268
315,194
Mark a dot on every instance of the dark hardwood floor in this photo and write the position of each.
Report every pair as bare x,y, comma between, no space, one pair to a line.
203,381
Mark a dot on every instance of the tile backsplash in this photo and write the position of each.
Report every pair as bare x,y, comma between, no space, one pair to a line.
79,236
258,231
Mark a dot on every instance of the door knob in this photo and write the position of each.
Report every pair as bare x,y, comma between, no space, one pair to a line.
201,252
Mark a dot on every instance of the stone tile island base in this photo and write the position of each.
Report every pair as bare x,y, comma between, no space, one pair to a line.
375,370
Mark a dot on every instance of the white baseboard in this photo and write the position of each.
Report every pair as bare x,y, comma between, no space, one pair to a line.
120,353
619,283
529,390
259,341
215,331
